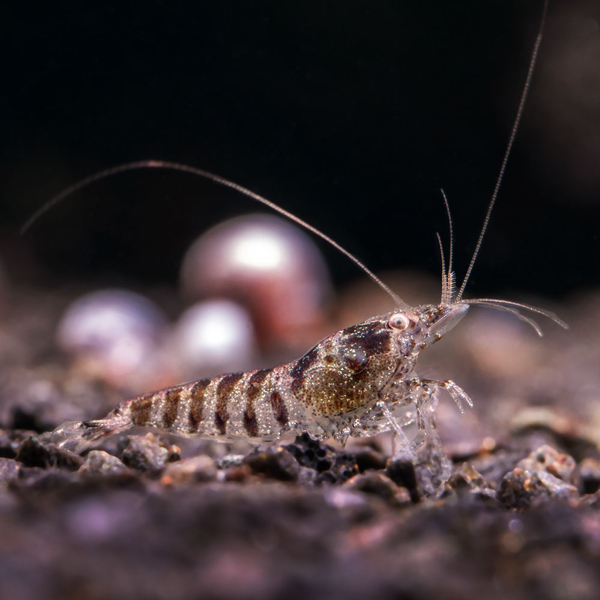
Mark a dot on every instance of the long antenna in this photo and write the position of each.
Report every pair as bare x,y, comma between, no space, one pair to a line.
450,282
159,164
511,140
444,299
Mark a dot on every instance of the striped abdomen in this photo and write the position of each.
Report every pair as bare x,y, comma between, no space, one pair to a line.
252,404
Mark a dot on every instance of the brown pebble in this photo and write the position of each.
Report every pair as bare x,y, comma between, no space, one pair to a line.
196,468
369,458
402,472
378,484
589,472
274,463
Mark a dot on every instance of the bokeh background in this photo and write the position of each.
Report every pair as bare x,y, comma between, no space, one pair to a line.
352,115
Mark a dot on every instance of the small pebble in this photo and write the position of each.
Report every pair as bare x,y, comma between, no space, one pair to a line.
369,458
545,473
549,460
467,478
589,471
273,463
196,468
230,460
238,473
98,462
402,473
9,470
147,453
379,485
307,476
34,453
524,489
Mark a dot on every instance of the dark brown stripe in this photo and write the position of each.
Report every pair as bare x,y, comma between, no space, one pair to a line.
253,392
371,337
141,409
255,384
250,420
303,364
356,359
224,389
197,404
279,409
297,388
171,404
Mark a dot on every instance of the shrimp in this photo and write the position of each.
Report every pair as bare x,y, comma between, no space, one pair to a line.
359,381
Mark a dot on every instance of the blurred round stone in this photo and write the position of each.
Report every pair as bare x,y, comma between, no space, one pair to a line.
213,337
113,334
270,266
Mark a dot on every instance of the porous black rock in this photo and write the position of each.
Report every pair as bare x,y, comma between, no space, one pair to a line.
312,453
332,466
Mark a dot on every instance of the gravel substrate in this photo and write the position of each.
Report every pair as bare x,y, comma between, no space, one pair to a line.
146,516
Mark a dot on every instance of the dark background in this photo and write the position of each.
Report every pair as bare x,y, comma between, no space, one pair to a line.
351,114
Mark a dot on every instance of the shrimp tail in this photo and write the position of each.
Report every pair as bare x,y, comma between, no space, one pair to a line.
77,436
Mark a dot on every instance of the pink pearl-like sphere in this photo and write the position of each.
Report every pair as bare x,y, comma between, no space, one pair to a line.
269,265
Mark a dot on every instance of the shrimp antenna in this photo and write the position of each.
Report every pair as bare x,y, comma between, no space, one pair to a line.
158,164
448,285
444,274
511,140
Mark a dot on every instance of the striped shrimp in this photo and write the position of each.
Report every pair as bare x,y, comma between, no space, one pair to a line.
358,381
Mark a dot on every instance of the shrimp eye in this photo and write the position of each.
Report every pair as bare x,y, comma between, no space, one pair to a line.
399,321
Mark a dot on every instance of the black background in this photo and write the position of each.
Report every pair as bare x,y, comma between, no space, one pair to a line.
351,114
